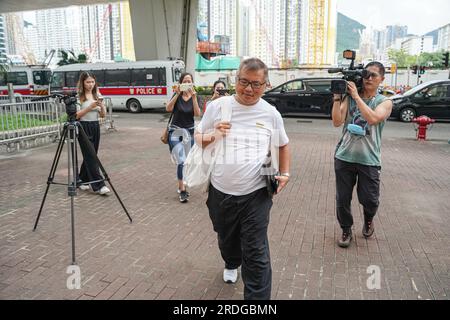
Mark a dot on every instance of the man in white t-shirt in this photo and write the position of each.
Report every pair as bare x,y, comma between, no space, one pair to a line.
238,199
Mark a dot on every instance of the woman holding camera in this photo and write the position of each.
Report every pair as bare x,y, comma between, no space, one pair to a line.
183,106
90,108
219,90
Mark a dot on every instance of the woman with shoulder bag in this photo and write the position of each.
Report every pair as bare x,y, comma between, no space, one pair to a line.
184,106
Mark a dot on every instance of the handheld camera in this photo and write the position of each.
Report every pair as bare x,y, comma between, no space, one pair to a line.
352,73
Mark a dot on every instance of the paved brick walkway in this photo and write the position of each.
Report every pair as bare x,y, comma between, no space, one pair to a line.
170,250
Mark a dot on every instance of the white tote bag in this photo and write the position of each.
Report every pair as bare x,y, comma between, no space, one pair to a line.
200,161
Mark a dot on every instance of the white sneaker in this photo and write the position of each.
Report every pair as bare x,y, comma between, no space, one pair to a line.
230,275
104,190
84,187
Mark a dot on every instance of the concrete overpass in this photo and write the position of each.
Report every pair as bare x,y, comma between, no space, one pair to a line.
161,28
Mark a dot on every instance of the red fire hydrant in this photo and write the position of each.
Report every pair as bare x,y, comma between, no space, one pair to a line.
422,126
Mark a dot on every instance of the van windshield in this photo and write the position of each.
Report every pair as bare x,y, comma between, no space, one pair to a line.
58,80
42,77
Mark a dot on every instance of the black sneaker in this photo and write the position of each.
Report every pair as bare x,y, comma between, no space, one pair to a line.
184,196
345,240
368,229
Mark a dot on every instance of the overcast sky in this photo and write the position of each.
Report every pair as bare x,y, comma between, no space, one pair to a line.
421,16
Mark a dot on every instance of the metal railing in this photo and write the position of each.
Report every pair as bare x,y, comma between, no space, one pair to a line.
108,121
29,119
22,121
4,99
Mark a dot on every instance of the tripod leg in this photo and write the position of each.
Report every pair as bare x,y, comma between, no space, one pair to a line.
72,166
52,172
92,152
72,220
118,198
72,182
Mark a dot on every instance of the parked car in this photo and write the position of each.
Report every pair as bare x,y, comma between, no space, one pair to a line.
430,98
302,96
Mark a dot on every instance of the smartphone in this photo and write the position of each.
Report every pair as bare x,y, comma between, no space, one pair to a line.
186,86
222,92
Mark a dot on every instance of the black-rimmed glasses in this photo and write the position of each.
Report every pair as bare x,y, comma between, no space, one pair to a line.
254,84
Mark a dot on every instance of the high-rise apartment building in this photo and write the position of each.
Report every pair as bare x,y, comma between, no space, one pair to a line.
57,28
299,31
221,18
106,32
395,32
261,33
102,31
96,37
444,38
417,45
239,40
2,40
10,32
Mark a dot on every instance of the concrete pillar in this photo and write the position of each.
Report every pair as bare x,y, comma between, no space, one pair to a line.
158,26
192,37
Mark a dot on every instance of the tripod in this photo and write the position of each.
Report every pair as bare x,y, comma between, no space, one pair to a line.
71,131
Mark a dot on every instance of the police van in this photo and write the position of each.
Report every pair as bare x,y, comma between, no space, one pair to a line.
130,85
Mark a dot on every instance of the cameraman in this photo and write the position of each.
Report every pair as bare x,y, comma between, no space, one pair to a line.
358,154
90,108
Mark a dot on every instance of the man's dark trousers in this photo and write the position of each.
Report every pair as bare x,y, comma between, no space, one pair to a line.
368,190
241,224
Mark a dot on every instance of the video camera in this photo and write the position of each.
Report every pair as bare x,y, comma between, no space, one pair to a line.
69,99
352,73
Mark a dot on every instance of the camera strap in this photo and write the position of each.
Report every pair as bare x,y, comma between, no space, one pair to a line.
269,166
171,115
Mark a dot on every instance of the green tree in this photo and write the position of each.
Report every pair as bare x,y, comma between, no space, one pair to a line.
404,60
3,68
432,59
401,58
69,57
